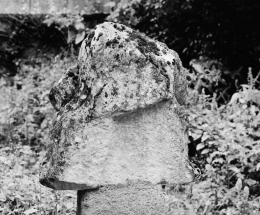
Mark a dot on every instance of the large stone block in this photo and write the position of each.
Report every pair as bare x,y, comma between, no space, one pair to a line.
132,199
120,118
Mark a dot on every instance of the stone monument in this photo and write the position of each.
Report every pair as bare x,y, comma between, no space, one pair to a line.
120,133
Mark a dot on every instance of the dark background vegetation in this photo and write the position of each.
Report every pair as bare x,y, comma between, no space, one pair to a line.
218,42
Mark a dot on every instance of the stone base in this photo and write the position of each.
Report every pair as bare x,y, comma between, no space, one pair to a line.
133,199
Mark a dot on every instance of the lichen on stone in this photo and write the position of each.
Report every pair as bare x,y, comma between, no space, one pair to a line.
145,45
120,114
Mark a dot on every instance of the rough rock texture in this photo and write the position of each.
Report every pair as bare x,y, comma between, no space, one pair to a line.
132,199
119,115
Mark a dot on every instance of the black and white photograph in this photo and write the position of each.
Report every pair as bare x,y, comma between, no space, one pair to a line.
130,107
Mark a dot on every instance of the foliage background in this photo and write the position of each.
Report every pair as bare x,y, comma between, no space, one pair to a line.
218,42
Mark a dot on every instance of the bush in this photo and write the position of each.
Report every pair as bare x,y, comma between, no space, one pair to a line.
21,192
23,36
229,150
223,31
26,112
25,119
216,29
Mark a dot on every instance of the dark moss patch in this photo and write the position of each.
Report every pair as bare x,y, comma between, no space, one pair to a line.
144,45
95,99
99,35
106,95
152,62
76,98
89,38
81,120
119,27
62,94
188,78
88,118
70,74
69,107
178,65
117,56
61,162
75,81
114,91
75,78
168,62
72,122
115,107
131,54
115,26
112,42
158,77
67,144
93,66
121,45
74,70
55,136
53,99
164,73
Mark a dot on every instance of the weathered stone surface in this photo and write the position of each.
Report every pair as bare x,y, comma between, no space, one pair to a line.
131,199
125,70
120,115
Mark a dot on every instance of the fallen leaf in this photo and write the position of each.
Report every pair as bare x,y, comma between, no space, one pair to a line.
246,192
258,167
2,196
205,151
200,146
238,185
30,211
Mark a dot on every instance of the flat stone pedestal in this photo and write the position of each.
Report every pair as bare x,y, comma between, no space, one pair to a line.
133,199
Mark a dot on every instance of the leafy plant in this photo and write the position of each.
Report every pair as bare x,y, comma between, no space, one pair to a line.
193,28
207,75
20,191
24,35
25,118
230,152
